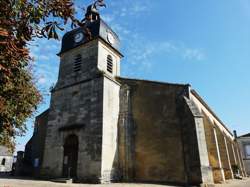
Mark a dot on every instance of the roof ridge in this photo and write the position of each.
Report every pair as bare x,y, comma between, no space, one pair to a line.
245,135
151,81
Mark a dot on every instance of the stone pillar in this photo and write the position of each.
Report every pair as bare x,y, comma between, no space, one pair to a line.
243,164
235,160
240,163
228,157
201,165
219,157
126,136
206,172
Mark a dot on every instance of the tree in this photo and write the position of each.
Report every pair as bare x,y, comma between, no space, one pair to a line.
20,22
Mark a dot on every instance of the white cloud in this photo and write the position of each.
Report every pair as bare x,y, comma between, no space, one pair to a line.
141,54
130,7
46,63
193,54
42,80
108,18
138,7
43,57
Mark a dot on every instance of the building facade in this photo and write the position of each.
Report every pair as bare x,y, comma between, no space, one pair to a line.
101,127
34,149
6,160
244,143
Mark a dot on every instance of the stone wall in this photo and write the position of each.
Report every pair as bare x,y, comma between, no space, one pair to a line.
223,151
223,154
238,158
109,130
38,142
6,166
243,142
6,159
195,146
76,110
103,51
89,56
126,134
224,157
154,144
212,149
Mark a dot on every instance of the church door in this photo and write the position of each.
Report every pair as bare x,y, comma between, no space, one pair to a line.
70,157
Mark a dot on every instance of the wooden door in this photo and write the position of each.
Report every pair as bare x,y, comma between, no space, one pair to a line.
70,157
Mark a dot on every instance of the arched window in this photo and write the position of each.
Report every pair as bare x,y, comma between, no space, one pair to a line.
3,162
110,64
78,63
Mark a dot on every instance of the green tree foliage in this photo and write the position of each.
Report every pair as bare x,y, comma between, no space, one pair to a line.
20,22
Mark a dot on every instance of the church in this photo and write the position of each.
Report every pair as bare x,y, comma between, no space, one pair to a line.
101,127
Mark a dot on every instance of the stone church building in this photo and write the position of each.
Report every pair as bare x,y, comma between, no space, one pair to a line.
101,127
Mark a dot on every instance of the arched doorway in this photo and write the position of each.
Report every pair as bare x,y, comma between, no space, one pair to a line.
70,156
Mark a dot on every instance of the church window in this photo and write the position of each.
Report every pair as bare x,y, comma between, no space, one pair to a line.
3,162
110,64
78,63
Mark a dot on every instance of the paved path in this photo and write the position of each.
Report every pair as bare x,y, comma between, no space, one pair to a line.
236,183
36,183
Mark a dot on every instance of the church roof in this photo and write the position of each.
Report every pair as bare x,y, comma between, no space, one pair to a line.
4,151
150,81
209,109
98,29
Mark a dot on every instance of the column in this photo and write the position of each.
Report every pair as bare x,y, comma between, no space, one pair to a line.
243,164
218,154
240,165
228,157
235,161
206,172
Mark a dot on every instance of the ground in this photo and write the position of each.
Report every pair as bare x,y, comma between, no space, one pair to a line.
4,182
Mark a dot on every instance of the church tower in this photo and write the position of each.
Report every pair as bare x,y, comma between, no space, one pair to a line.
81,139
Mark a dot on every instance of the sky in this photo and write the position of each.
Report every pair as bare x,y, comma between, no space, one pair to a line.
203,43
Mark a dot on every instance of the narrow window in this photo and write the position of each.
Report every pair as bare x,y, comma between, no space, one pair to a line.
3,162
78,63
247,147
36,162
110,64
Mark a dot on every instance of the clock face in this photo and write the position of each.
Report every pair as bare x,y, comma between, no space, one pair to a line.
111,38
78,37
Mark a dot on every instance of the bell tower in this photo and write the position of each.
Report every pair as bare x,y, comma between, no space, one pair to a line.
89,50
85,104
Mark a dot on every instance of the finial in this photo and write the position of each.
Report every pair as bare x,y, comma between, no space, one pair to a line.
92,13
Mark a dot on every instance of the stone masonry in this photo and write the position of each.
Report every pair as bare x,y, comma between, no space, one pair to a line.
104,128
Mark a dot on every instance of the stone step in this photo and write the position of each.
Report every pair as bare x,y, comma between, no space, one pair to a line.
63,180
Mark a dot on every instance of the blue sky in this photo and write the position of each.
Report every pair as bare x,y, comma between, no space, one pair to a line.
203,43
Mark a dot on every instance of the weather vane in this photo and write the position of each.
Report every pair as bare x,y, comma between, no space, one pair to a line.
92,14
